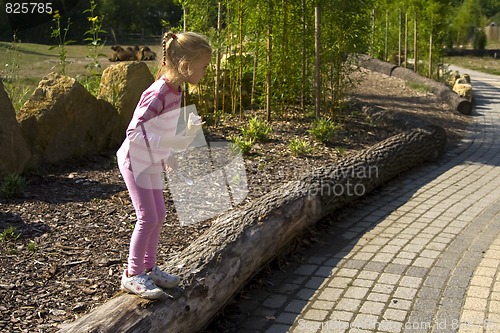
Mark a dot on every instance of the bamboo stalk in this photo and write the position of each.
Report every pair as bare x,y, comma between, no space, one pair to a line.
317,77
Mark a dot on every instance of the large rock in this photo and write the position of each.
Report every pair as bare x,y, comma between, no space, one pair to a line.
14,153
62,120
122,85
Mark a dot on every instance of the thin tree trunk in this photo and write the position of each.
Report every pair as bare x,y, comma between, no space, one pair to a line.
430,51
406,40
399,37
224,82
184,23
415,43
373,33
254,72
304,56
240,71
386,48
217,63
234,75
317,77
269,59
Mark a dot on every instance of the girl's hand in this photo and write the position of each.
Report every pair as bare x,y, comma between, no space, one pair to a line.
193,125
171,164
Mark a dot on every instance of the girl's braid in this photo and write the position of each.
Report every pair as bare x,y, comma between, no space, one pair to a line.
164,51
166,37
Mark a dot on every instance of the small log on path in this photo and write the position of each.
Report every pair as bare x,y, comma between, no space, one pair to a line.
240,242
444,92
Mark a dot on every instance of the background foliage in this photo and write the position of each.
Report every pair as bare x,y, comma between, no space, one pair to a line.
265,49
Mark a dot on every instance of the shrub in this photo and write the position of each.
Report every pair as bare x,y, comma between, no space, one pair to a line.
12,186
257,130
9,235
299,147
32,246
242,144
324,129
480,40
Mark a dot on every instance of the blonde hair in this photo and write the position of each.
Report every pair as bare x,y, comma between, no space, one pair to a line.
181,49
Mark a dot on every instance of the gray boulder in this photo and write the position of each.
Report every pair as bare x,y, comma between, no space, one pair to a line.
122,85
14,153
62,120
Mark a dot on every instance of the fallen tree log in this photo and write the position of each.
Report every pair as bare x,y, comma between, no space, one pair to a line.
375,65
444,92
460,104
239,243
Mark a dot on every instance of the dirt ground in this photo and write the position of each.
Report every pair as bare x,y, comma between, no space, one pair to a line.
75,218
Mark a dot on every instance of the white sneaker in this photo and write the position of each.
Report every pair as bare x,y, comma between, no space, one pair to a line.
162,279
141,285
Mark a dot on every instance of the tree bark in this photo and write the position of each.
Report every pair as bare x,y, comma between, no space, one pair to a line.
240,242
460,104
217,63
317,61
269,49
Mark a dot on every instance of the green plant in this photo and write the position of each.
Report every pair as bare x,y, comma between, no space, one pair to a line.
257,130
12,54
59,34
324,129
340,150
18,93
12,186
242,144
299,147
420,87
32,246
92,80
10,234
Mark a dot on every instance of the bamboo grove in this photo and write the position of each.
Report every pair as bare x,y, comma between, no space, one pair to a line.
271,54
266,52
274,54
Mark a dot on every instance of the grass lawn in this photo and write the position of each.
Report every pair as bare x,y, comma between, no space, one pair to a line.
480,64
23,65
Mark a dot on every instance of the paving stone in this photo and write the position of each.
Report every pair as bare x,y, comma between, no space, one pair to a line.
278,328
286,318
275,301
330,294
348,304
405,293
296,306
420,255
356,292
315,314
371,307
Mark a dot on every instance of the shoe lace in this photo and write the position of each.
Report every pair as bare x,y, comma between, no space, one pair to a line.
163,275
146,280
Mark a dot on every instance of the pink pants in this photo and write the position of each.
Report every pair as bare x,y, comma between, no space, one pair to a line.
149,205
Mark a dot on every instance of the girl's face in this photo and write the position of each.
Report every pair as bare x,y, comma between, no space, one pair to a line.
197,69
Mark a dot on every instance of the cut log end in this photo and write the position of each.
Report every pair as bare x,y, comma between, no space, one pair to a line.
465,107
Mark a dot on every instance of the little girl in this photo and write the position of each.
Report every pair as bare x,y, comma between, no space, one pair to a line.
185,58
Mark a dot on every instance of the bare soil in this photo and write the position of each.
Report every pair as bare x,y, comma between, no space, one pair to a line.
75,218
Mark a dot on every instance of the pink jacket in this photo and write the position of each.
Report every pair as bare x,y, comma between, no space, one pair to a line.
144,131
